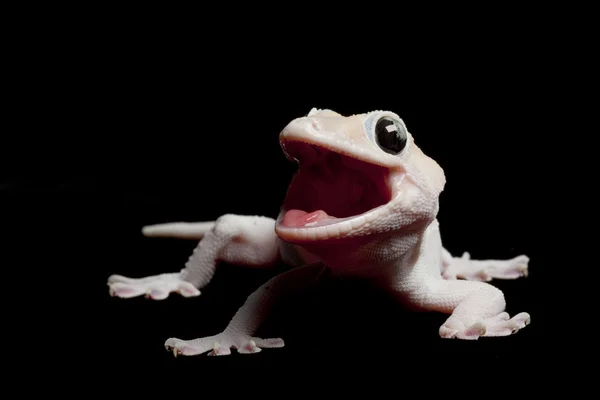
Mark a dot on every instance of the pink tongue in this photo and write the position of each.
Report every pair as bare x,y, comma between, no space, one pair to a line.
299,218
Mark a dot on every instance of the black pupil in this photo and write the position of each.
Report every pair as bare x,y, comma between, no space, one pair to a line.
390,136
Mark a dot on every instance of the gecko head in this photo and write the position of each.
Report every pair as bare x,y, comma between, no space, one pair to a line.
357,175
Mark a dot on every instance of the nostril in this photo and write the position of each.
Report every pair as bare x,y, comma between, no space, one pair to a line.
315,125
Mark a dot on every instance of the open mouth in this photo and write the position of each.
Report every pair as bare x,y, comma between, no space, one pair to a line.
331,188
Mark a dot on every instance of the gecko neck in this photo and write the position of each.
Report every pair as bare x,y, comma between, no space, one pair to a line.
378,255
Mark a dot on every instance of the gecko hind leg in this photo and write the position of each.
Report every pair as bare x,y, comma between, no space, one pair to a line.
156,287
483,270
236,239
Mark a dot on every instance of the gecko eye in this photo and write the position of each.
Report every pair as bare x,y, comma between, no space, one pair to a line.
390,135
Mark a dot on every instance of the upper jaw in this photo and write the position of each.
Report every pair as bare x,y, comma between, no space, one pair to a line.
352,143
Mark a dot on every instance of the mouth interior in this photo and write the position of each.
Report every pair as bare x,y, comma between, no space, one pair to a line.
331,187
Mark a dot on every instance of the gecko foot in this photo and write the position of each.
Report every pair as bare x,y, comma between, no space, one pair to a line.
486,270
500,325
156,287
220,345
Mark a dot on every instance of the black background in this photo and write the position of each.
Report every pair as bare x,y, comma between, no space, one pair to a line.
135,123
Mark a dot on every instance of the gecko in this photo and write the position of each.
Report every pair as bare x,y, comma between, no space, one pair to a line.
362,203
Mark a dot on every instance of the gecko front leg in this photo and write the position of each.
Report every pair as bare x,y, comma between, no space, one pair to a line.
236,239
476,308
239,332
482,270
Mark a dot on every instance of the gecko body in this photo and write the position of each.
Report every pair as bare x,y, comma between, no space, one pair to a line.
363,203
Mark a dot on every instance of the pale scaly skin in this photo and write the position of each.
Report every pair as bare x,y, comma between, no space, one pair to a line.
397,245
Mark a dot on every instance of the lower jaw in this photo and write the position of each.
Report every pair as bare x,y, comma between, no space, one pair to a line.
332,229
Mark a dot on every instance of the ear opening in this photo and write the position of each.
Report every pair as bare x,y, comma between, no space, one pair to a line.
430,171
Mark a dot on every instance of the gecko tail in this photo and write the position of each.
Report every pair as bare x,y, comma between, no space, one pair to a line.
178,230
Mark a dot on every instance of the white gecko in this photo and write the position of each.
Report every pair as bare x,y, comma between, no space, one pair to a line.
363,203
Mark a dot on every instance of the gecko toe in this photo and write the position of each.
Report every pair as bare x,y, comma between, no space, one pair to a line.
124,291
219,350
475,331
249,347
156,294
447,333
186,289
